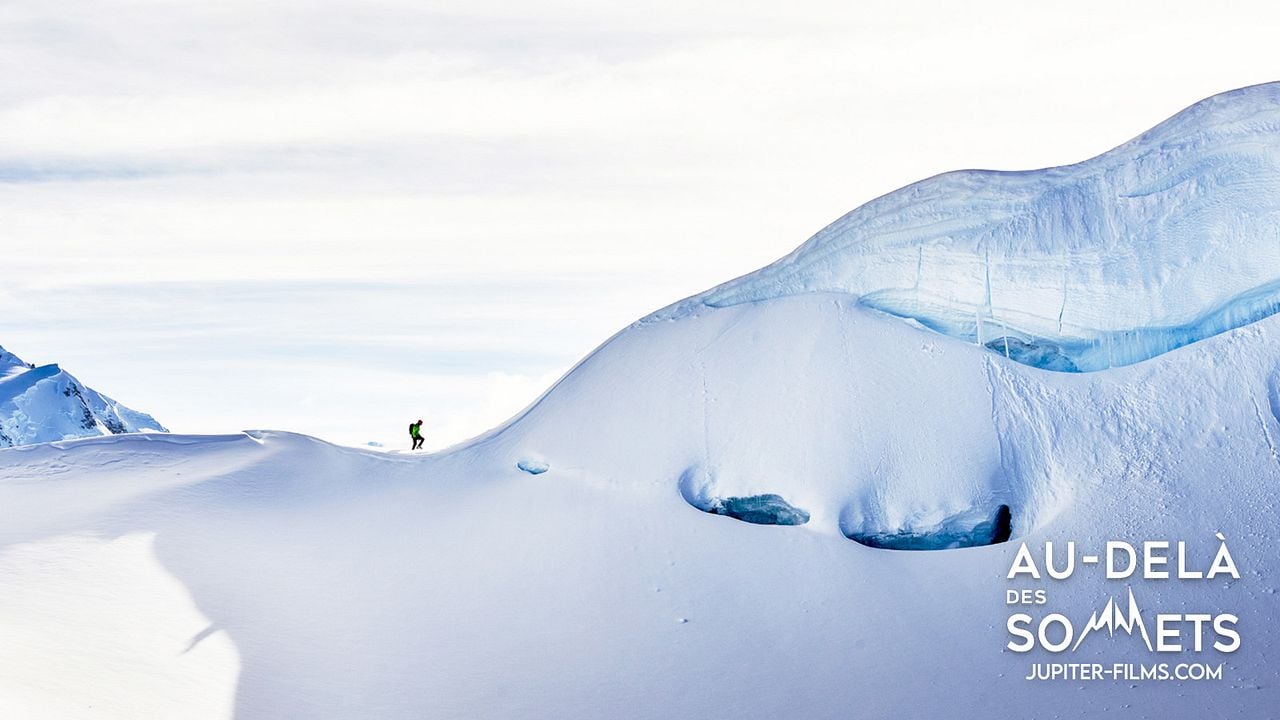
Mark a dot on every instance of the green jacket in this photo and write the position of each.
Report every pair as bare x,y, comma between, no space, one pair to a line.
415,429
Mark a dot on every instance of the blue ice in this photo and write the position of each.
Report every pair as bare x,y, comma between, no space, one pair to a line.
1168,239
957,531
767,509
533,467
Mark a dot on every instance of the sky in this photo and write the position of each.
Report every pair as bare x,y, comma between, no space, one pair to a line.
336,218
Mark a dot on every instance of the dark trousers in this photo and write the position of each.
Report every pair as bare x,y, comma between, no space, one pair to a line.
417,443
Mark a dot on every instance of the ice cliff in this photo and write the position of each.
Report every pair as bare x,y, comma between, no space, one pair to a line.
1168,239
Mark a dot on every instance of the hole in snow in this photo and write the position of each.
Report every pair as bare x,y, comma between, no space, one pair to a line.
698,488
967,529
767,509
533,467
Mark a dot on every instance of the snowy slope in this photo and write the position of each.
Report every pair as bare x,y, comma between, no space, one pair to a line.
332,582
1169,238
577,562
42,404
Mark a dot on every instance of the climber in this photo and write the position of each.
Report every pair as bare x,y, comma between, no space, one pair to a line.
415,432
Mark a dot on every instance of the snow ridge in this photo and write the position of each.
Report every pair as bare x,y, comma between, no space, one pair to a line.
1163,241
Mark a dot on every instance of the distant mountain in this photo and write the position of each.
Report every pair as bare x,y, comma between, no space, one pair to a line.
45,403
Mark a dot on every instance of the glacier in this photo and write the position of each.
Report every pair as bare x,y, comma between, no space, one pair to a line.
1169,238
795,495
45,403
